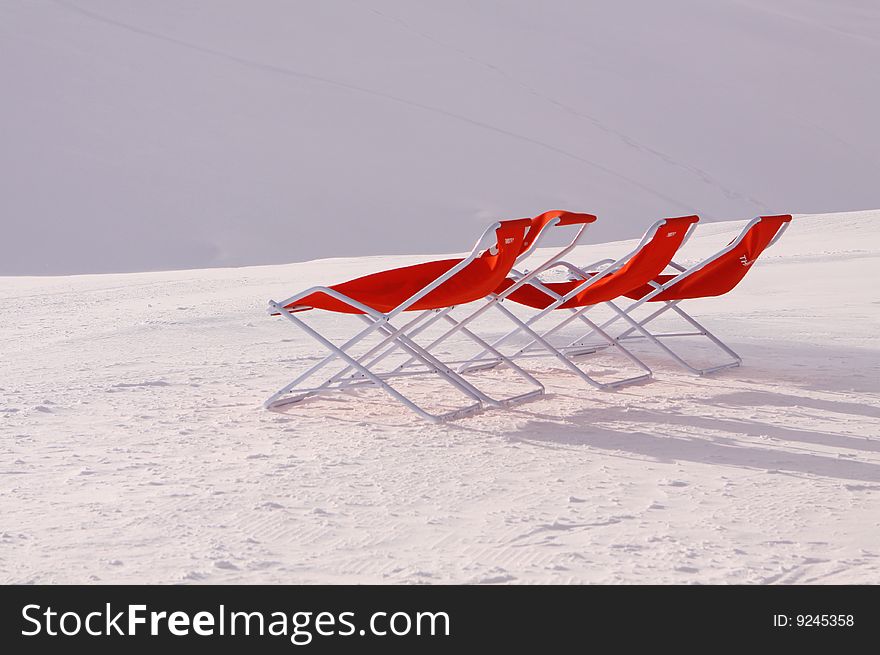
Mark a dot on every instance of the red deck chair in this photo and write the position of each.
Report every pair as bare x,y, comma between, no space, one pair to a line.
714,276
432,289
649,258
539,227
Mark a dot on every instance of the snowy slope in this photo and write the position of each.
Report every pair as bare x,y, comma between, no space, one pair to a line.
166,134
133,447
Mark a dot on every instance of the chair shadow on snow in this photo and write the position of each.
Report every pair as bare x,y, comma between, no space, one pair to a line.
774,399
823,369
653,434
650,436
716,439
693,435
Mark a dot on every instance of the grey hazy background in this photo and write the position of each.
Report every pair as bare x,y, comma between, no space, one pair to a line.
138,135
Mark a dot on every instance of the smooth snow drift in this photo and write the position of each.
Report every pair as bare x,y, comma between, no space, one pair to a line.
133,447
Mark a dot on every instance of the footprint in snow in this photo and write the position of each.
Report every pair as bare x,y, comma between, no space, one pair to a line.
225,564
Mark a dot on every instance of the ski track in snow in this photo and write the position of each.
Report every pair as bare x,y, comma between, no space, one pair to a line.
627,140
133,447
283,70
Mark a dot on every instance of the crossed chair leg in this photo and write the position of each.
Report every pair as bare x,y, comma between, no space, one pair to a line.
636,330
539,341
460,326
360,370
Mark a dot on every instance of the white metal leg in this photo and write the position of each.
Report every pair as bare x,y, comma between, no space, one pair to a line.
460,327
276,399
657,338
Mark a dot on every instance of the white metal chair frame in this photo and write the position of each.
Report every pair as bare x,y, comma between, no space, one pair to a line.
494,300
565,354
359,370
639,326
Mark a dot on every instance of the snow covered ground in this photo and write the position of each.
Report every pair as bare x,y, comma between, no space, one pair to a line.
133,447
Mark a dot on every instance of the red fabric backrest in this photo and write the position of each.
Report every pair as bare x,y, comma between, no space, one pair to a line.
385,290
479,278
565,218
643,266
486,272
725,271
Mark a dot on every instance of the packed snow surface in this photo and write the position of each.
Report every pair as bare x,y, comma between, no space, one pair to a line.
134,448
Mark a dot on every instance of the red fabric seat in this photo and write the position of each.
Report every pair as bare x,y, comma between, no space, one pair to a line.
642,267
722,273
386,290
